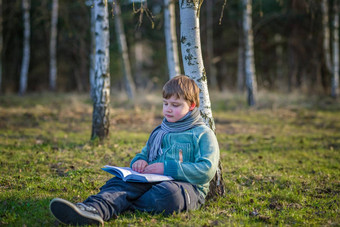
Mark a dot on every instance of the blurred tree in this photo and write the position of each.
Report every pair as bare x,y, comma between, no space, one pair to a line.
194,68
53,46
123,49
296,52
142,51
101,108
240,56
26,5
326,35
171,38
335,41
279,80
251,82
210,44
138,56
1,42
92,50
73,46
287,33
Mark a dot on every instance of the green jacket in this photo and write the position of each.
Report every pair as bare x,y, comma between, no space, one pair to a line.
199,150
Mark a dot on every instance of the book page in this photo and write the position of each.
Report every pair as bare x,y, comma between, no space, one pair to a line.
124,171
127,174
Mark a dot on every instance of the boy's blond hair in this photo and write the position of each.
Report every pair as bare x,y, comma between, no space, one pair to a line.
182,86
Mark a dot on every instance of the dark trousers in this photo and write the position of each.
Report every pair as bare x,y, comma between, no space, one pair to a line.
117,196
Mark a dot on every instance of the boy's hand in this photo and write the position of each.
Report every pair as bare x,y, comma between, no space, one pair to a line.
157,167
139,166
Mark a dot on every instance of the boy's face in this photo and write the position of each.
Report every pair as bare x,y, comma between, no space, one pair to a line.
174,109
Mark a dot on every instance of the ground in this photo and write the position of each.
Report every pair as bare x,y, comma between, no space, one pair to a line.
280,160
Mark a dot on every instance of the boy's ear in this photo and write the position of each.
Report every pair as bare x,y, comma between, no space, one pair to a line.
193,105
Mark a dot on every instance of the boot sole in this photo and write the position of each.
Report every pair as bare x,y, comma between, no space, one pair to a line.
67,213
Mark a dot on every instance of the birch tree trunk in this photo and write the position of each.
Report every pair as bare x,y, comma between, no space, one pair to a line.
192,55
92,51
26,46
249,52
1,43
53,46
128,81
101,108
194,68
210,44
171,38
326,35
335,76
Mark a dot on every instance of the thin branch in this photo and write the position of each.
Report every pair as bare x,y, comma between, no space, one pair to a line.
141,11
222,11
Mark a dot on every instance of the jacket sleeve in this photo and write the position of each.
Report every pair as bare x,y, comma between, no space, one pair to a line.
206,161
142,155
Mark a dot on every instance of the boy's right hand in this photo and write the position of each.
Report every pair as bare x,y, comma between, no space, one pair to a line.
139,166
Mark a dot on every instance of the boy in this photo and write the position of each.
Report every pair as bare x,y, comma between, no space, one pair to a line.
182,147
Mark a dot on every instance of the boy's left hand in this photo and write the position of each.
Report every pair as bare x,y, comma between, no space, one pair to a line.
157,168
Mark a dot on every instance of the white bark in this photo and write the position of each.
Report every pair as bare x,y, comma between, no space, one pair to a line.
192,56
100,119
249,52
210,44
326,35
92,52
26,46
335,76
128,81
171,38
194,68
53,46
1,43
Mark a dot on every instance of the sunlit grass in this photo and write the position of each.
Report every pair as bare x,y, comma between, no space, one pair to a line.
281,162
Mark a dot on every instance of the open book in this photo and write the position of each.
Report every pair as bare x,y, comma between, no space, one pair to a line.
127,174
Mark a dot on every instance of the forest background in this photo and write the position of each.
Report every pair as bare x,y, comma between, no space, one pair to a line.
280,158
288,45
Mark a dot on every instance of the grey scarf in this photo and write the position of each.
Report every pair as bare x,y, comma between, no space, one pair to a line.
191,120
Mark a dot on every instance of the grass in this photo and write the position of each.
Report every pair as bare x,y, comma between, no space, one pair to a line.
281,162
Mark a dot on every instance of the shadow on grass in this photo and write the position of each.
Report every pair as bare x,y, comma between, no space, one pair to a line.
28,212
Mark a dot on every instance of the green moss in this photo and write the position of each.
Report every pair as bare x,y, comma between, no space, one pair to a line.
203,77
